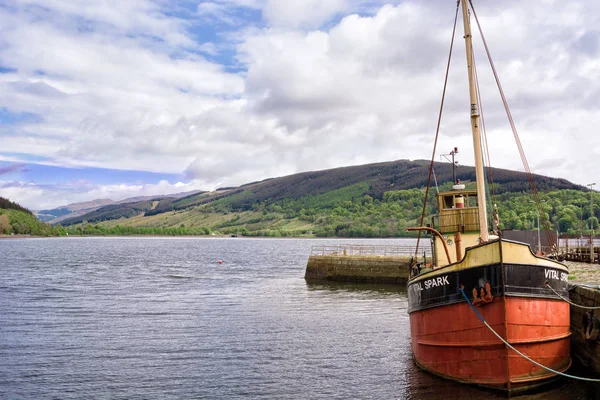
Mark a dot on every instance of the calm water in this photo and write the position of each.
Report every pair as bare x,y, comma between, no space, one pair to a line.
161,318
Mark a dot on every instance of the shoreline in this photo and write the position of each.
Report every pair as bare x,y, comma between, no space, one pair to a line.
205,236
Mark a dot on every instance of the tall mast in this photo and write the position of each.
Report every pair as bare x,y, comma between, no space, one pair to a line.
483,221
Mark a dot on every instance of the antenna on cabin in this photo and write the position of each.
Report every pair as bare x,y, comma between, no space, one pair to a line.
454,163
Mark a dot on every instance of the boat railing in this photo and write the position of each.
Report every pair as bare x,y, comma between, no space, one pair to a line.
368,250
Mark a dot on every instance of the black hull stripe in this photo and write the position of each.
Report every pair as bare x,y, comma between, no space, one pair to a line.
521,280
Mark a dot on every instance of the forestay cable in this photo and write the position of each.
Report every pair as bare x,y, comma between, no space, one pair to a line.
538,202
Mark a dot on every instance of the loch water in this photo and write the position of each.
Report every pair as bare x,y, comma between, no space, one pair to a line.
154,317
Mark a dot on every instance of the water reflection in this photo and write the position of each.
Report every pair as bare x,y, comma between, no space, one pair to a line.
419,384
334,286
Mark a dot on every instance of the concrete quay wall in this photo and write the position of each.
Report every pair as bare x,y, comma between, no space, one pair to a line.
358,268
586,351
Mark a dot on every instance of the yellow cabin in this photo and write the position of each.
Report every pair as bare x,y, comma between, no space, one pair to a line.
458,212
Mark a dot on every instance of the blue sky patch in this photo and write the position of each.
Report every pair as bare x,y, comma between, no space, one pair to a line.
6,70
51,175
7,117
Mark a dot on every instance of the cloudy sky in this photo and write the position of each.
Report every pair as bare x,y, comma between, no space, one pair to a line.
114,99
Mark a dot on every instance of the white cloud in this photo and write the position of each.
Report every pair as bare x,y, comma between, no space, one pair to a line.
219,12
123,85
100,96
307,13
388,69
111,17
44,197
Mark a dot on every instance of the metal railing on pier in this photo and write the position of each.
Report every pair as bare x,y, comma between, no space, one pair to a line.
579,249
368,250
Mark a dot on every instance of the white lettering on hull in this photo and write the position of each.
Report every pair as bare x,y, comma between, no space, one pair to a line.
434,282
556,275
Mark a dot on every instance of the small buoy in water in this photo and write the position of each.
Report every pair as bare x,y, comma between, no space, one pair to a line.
220,262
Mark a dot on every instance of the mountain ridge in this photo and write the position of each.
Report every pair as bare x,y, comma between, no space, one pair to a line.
57,215
372,180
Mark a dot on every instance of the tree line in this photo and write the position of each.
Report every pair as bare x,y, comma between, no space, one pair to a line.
344,212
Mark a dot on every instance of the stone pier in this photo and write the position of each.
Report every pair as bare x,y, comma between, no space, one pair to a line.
358,268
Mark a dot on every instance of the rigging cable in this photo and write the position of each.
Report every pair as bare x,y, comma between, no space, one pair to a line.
437,131
437,189
538,202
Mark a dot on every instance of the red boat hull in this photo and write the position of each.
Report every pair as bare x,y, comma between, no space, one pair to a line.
508,286
452,342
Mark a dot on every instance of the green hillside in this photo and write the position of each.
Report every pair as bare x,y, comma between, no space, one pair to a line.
17,220
375,200
372,180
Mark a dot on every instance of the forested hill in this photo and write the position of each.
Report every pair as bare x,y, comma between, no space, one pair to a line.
15,219
9,205
368,200
383,177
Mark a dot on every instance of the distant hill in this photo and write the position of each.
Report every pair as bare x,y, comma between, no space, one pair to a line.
378,178
382,177
57,215
113,211
311,200
73,211
159,196
86,205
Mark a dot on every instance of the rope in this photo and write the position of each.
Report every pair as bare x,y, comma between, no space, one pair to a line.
546,222
517,351
585,285
437,131
570,302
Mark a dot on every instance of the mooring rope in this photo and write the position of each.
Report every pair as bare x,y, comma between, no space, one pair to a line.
517,351
569,301
585,285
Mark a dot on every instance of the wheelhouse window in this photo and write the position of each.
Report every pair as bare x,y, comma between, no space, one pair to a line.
455,200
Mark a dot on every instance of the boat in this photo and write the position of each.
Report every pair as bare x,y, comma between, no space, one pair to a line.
485,310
